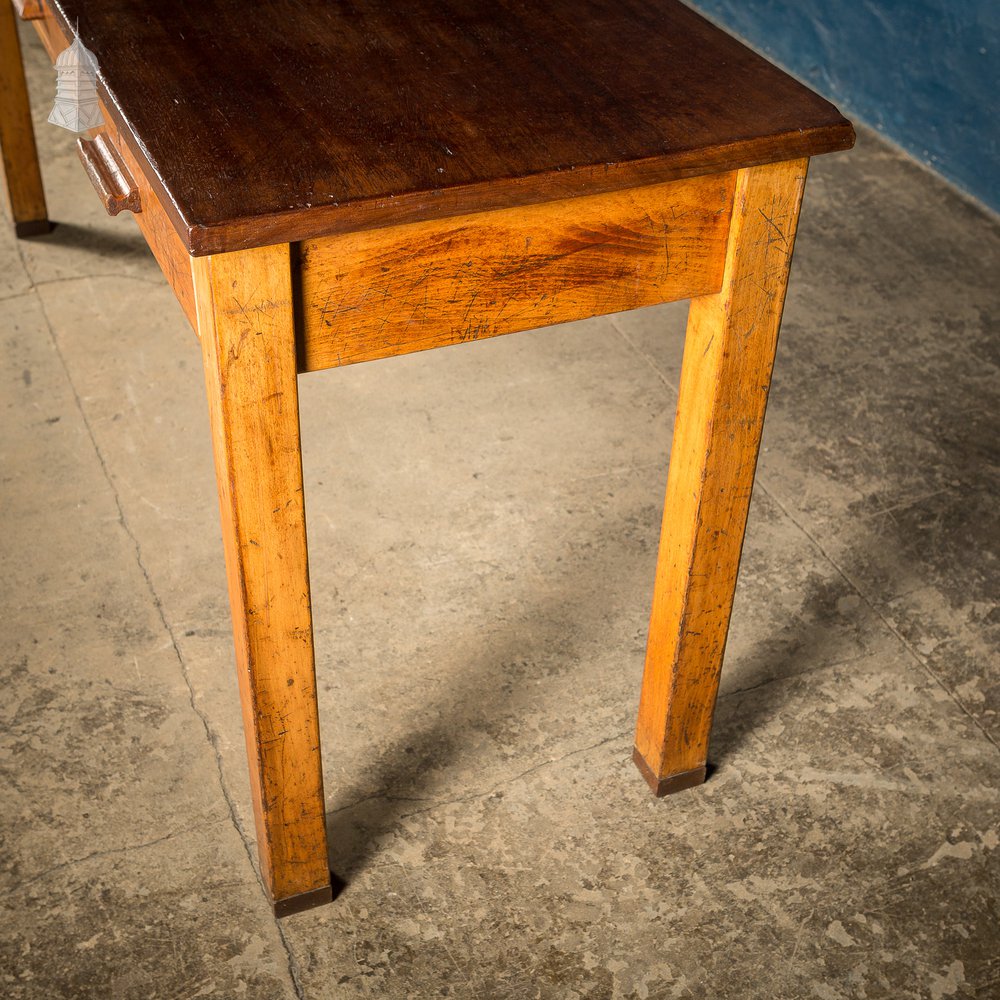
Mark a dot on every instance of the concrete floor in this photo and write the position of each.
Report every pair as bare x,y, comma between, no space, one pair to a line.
483,523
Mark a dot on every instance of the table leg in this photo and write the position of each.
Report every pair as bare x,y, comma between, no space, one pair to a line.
25,196
245,321
728,355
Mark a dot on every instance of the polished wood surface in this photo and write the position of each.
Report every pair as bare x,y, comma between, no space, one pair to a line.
109,175
245,317
282,121
725,375
25,195
429,284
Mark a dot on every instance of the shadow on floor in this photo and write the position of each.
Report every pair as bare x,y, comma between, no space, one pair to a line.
127,243
404,778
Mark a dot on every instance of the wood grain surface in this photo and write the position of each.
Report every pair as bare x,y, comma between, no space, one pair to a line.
244,306
293,120
428,284
25,195
158,230
725,375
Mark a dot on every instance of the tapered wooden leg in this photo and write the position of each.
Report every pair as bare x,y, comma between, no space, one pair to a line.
245,321
25,196
728,355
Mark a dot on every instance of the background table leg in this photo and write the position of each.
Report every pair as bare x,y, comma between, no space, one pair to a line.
25,196
244,304
728,356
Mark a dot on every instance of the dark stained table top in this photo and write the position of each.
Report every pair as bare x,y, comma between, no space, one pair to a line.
272,121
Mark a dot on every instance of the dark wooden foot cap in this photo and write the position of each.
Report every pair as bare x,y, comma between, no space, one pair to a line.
36,227
303,901
673,782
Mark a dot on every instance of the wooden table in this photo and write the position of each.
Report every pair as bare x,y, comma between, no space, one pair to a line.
325,183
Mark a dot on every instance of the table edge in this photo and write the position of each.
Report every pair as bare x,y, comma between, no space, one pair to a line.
204,238
294,225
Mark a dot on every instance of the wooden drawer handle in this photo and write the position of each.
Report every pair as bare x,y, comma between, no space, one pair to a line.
109,176
30,10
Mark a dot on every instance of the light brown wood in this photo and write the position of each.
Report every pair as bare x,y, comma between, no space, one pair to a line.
29,10
49,31
429,284
244,303
158,230
25,195
728,355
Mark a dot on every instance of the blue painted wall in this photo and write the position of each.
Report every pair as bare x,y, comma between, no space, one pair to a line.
926,73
